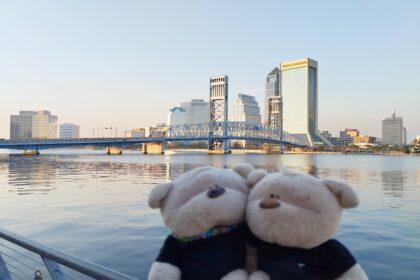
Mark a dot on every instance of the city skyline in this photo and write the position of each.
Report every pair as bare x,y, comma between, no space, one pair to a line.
115,67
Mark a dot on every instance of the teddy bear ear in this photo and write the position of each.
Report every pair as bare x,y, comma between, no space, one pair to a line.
243,169
158,194
344,193
255,176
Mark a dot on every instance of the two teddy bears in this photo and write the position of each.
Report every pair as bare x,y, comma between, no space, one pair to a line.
290,219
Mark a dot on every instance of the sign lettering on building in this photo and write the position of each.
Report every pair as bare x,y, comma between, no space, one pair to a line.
294,64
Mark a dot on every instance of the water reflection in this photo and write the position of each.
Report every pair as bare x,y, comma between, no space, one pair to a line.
393,183
39,175
31,175
417,176
302,163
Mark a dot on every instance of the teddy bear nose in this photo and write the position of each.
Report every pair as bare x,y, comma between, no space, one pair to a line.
269,203
213,193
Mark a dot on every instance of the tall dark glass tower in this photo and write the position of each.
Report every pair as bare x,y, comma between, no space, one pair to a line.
272,89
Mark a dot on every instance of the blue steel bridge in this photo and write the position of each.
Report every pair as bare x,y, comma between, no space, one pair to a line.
215,131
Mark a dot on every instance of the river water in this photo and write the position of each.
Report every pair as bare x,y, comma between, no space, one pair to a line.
94,206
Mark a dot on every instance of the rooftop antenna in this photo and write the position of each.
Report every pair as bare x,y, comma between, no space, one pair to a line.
393,113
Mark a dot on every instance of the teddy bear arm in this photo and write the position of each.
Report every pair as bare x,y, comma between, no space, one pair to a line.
238,274
356,272
164,271
168,262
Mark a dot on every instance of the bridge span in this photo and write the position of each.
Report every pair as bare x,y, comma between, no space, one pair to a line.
193,132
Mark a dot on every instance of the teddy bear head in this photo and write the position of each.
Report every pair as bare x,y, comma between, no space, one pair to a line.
202,198
296,210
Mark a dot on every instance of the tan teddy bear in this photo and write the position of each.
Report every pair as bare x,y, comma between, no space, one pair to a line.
292,218
203,208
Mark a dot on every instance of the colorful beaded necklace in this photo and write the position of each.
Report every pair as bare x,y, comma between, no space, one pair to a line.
210,233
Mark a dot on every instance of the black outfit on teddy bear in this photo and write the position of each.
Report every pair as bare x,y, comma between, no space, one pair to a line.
209,257
326,261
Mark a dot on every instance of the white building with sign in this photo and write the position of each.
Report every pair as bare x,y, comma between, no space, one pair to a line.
299,88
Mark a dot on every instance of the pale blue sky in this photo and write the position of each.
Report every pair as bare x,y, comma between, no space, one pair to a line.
125,63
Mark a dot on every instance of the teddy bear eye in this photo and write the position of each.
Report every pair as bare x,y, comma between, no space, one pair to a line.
272,195
216,186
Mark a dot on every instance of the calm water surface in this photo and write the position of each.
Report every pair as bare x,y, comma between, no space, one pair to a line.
95,206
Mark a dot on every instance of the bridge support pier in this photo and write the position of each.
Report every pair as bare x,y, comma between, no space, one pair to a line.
30,152
113,151
154,148
272,148
162,150
219,152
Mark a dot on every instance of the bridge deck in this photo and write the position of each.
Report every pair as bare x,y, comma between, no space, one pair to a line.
195,132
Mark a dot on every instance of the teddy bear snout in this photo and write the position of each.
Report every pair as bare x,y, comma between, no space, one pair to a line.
215,192
269,203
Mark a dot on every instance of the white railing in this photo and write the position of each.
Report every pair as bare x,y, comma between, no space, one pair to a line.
21,258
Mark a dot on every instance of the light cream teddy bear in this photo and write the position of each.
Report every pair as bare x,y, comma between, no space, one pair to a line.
202,208
292,218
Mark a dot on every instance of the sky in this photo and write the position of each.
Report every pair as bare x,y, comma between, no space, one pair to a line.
126,63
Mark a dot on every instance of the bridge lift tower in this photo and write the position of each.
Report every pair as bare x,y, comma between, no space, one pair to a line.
275,115
219,111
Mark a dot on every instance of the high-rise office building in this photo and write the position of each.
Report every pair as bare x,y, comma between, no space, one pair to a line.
191,112
69,130
299,89
246,109
393,131
271,98
177,116
21,125
197,111
33,125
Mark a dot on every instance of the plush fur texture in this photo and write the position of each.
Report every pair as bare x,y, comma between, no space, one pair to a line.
164,271
308,211
297,211
201,199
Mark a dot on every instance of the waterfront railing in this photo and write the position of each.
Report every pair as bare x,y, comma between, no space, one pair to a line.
21,258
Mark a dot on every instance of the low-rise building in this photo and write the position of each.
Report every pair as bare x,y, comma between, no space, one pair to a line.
136,132
158,130
340,141
326,134
364,140
352,132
